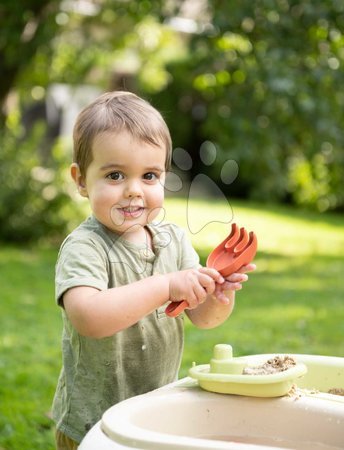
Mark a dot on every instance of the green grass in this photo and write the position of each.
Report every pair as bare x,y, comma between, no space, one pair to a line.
29,347
294,302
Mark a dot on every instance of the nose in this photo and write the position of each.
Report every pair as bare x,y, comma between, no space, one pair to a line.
133,189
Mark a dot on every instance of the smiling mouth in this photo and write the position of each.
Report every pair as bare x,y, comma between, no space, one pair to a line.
131,211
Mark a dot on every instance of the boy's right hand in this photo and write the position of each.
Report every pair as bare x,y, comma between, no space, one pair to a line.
193,285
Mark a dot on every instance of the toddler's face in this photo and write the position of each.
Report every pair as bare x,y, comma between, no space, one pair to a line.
125,182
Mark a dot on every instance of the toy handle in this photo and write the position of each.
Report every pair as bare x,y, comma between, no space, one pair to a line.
175,308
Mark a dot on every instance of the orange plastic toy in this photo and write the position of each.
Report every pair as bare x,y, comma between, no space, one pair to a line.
237,250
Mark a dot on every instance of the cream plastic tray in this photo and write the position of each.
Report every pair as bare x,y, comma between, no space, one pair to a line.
224,375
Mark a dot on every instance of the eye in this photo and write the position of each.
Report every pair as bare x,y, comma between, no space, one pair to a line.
115,176
150,176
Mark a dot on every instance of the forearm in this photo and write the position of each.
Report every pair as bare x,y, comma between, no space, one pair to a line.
212,313
100,314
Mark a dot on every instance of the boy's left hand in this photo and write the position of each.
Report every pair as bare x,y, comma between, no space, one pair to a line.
233,283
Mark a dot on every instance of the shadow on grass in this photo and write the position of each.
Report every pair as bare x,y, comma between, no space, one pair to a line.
29,347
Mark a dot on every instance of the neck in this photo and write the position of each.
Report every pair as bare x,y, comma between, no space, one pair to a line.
141,236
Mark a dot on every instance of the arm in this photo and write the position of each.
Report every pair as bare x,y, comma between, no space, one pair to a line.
219,306
98,314
212,312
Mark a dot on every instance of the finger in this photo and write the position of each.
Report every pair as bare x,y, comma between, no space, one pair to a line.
213,273
237,277
247,268
220,295
207,283
192,301
230,286
200,293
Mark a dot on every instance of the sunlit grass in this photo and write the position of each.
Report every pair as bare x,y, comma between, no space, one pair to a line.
293,303
281,229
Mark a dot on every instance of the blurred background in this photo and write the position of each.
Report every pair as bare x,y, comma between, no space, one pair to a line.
262,81
253,94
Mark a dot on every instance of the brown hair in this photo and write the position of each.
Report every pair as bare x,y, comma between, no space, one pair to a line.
117,111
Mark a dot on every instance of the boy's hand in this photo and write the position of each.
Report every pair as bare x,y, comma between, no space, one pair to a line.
232,283
193,285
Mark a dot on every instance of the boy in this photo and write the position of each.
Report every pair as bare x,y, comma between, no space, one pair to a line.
116,272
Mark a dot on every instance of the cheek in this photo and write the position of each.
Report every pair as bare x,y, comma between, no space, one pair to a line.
155,203
102,196
158,194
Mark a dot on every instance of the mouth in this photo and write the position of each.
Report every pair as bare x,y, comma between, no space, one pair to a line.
131,211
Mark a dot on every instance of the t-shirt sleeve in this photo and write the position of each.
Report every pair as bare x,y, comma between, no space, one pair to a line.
80,263
189,258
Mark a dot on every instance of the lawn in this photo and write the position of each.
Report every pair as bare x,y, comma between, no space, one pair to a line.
294,302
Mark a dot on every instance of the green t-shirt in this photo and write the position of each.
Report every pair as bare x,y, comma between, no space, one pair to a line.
97,373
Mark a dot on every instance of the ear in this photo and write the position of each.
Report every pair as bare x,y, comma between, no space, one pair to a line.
78,179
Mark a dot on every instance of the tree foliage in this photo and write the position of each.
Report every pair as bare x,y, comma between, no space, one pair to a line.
25,26
32,200
264,84
261,80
